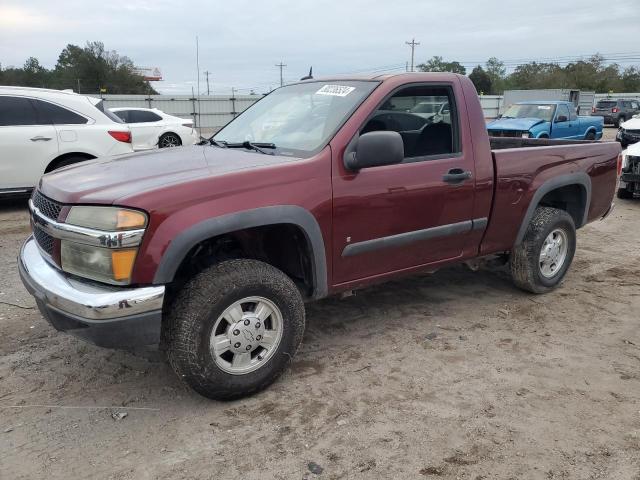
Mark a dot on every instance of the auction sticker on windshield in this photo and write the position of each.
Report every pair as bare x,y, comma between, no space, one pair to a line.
335,90
544,107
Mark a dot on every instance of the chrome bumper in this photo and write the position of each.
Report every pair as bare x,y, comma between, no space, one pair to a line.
105,315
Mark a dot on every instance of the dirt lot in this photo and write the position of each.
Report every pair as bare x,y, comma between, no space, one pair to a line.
453,375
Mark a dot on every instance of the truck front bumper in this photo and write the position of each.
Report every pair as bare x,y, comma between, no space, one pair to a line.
107,316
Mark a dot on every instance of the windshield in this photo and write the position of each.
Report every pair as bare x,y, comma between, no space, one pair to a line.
543,112
298,119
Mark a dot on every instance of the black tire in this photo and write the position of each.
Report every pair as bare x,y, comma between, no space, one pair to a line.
525,258
624,194
168,140
203,299
591,135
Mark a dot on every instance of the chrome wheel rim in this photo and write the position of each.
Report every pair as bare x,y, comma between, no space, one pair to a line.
553,253
169,141
246,335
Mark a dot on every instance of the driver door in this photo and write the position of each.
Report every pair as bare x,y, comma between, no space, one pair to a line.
396,217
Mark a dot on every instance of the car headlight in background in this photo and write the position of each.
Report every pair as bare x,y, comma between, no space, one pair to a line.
103,264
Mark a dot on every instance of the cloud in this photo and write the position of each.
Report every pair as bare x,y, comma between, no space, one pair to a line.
242,40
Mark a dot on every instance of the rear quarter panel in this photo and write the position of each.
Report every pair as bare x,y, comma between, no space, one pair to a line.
520,172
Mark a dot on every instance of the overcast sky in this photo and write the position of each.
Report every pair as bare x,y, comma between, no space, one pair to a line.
242,40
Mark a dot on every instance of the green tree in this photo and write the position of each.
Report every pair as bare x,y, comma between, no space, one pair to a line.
481,80
91,68
437,64
497,72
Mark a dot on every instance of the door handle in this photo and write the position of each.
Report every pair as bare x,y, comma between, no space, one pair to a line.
38,139
456,175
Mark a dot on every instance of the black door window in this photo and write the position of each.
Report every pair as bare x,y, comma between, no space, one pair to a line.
17,111
141,116
57,115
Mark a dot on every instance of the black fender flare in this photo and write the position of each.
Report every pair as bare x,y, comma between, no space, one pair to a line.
578,178
258,217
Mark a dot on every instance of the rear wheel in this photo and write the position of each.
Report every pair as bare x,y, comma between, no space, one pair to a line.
591,135
541,261
624,194
234,328
168,140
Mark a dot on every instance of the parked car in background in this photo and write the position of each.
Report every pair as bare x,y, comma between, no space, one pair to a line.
629,184
435,112
616,111
153,128
42,130
545,119
214,249
629,132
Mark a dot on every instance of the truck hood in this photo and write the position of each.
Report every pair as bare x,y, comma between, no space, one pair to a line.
522,124
107,180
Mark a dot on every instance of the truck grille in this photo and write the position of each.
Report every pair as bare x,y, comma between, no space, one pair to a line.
506,133
47,207
44,240
50,209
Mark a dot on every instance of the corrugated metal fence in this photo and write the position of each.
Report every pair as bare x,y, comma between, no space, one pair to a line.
210,113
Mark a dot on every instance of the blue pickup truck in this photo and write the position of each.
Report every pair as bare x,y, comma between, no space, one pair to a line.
546,119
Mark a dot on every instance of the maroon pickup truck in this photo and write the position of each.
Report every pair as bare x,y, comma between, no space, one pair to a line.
321,187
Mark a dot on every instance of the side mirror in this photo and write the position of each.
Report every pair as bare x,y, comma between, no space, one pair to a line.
375,149
561,118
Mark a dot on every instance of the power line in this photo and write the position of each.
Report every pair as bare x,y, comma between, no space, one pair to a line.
281,65
413,45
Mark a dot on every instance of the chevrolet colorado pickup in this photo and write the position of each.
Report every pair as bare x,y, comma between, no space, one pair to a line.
321,187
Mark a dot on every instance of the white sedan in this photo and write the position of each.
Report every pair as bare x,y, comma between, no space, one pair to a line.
152,128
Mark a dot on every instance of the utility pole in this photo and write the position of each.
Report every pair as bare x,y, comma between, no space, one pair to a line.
206,73
281,65
78,85
413,45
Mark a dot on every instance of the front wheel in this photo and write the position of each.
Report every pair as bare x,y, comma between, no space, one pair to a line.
234,328
541,261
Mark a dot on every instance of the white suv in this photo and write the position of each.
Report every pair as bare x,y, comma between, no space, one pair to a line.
41,130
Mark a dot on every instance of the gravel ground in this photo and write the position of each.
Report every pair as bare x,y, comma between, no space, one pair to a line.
451,375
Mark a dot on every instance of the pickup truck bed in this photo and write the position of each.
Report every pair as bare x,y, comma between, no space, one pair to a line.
212,250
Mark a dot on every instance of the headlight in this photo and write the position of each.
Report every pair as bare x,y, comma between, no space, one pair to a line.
100,263
106,218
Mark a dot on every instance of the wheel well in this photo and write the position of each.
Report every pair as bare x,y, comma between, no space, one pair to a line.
544,135
56,161
571,198
284,246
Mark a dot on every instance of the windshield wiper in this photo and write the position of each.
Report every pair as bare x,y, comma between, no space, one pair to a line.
257,146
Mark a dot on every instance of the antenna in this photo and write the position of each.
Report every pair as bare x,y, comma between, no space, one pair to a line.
310,76
281,65
413,45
